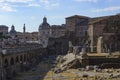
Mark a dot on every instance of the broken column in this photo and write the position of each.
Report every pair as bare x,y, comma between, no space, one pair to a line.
84,58
70,47
100,45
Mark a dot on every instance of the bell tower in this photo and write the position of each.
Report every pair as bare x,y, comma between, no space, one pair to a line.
24,28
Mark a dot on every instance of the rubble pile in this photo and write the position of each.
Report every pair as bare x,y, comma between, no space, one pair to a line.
67,62
72,59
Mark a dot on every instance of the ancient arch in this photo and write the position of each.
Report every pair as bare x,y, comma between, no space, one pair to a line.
6,64
21,58
25,57
31,55
17,59
12,61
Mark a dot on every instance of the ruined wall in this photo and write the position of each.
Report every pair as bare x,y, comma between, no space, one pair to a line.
100,61
14,63
57,46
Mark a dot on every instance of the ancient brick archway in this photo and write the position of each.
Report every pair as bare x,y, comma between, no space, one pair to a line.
17,59
6,63
25,57
111,43
21,58
12,61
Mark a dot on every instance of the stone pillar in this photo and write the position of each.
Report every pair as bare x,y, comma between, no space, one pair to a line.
105,48
92,48
70,47
24,31
76,50
84,57
100,45
91,38
110,49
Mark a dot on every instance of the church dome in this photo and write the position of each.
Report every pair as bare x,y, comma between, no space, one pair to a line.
44,24
12,31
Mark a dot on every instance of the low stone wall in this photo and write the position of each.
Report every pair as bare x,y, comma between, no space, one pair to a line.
101,61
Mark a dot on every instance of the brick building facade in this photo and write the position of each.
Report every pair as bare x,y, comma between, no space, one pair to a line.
76,27
99,34
108,28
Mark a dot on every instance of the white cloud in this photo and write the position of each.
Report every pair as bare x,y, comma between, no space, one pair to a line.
49,4
7,7
114,8
45,1
2,1
16,1
11,6
33,17
55,4
19,1
33,5
86,0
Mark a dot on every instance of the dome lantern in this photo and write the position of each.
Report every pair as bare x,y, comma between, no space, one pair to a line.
44,24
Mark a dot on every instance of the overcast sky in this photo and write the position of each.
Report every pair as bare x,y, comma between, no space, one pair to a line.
31,12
